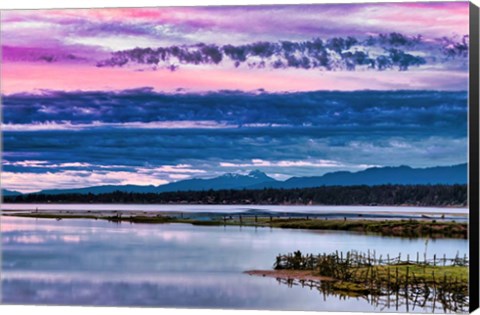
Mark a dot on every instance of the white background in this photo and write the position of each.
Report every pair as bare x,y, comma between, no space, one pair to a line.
32,4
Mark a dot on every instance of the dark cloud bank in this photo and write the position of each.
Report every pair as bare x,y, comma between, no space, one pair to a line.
397,110
382,52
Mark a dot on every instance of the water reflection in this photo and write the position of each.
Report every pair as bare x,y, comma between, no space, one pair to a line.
89,262
415,298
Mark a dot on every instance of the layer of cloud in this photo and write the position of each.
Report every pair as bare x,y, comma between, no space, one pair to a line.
68,125
35,77
30,182
232,24
381,52
264,163
301,113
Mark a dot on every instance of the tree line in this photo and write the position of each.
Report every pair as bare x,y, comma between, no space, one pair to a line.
416,195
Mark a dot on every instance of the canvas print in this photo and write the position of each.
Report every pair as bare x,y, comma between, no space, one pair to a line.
280,157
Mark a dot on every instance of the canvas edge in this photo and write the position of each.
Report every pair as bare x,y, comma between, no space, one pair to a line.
474,158
473,138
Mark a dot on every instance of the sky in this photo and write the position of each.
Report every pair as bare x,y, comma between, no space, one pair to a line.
150,96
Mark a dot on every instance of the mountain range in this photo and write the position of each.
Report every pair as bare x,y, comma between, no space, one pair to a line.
400,175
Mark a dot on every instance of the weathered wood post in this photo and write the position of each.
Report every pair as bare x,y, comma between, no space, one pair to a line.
406,299
396,278
372,277
388,280
433,280
396,300
240,218
256,219
388,293
406,279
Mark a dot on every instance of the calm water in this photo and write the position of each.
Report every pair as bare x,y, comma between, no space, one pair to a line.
89,262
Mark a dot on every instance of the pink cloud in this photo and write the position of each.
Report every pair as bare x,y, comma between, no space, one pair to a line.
263,22
27,77
434,19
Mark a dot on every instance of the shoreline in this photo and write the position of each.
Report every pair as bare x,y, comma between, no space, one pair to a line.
458,206
332,211
407,227
300,275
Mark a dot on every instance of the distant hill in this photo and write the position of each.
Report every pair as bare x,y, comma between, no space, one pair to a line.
401,175
8,193
100,190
